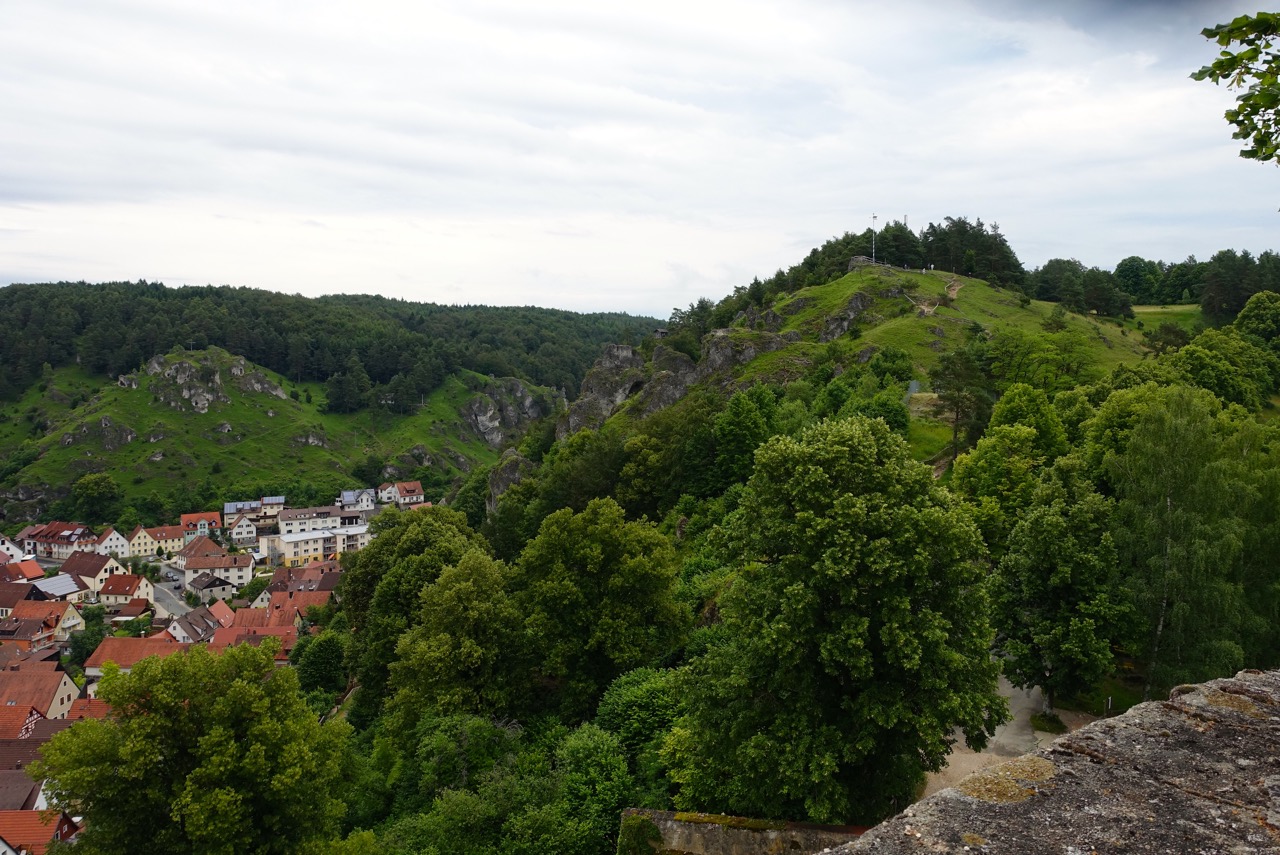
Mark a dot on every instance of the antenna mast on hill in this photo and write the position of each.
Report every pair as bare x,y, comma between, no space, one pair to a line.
873,238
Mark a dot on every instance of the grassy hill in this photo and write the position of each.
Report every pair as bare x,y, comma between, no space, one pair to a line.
192,416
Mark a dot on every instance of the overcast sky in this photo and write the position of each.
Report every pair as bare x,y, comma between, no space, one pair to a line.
599,155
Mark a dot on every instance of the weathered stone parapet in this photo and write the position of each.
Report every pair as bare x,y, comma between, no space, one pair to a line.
666,833
1199,773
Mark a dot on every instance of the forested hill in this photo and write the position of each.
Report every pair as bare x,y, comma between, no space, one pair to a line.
407,348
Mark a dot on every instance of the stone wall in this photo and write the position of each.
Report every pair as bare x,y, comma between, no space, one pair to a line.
666,833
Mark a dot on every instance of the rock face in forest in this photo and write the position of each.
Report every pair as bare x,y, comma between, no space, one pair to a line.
622,376
502,411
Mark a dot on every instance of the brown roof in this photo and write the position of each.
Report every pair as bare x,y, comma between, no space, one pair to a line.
18,753
219,562
18,790
102,538
201,547
127,652
121,585
12,593
166,532
21,571
135,608
409,488
14,719
85,564
212,517
30,688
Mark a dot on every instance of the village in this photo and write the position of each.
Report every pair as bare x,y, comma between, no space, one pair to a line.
253,571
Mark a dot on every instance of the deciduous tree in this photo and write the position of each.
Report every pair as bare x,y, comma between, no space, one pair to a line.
855,638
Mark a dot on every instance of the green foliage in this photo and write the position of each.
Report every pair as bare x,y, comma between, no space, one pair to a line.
1179,540
639,708
638,836
256,586
322,665
598,596
998,477
1058,607
381,585
1022,405
96,496
209,753
1260,317
1048,723
466,653
854,640
1253,66
1230,366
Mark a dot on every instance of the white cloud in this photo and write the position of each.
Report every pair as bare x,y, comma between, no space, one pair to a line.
594,156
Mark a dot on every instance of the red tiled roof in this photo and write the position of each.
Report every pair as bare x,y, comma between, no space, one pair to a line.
49,612
121,585
222,613
127,652
218,562
211,517
135,608
89,708
233,635
285,606
33,830
251,618
21,571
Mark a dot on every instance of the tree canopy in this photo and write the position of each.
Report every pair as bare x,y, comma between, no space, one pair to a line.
854,638
1250,62
204,753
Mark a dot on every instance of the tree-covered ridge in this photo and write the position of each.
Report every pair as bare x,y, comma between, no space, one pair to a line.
406,349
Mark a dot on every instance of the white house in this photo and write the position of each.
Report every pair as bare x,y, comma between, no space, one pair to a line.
296,550
294,520
10,549
242,531
358,500
112,542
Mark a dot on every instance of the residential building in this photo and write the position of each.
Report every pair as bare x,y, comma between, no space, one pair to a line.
138,607
405,495
22,571
91,568
242,531
316,576
236,569
142,544
297,550
358,500
9,550
288,608
272,505
61,617
34,831
208,587
58,540
18,723
62,586
199,524
233,635
250,509
112,542
123,587
199,625
169,539
199,547
296,520
12,593
25,634
50,692
127,652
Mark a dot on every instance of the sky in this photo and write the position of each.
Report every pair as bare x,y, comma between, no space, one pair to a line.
600,156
